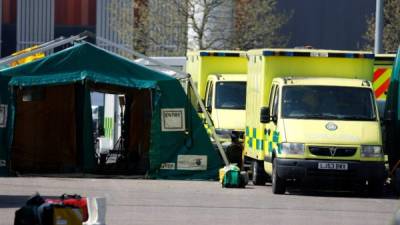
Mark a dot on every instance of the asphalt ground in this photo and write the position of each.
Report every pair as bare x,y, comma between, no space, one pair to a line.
138,201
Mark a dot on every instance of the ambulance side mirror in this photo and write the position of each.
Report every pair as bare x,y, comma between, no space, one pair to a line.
264,115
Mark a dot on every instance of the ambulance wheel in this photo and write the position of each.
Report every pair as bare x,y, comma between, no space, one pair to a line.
375,187
259,176
278,184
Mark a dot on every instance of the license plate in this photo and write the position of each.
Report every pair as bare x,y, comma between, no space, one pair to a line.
332,166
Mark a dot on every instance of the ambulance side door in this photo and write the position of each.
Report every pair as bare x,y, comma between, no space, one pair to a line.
272,135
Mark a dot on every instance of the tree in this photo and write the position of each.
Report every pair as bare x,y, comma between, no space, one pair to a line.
129,26
391,30
153,27
232,24
207,28
169,27
258,24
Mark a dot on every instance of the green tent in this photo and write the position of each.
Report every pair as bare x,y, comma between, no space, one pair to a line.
47,120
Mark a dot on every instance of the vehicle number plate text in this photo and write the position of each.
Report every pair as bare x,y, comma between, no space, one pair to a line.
332,166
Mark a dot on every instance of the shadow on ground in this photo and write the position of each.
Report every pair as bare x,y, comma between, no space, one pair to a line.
16,201
340,193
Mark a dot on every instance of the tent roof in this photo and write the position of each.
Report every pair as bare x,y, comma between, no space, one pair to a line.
84,61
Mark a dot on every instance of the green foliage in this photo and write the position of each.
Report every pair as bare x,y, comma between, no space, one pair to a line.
169,27
258,25
391,30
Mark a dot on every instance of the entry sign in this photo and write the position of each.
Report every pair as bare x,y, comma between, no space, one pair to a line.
173,119
3,116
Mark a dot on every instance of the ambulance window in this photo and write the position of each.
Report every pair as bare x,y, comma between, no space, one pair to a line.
275,106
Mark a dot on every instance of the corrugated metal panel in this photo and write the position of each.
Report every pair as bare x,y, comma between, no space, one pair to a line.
10,11
104,27
75,12
35,22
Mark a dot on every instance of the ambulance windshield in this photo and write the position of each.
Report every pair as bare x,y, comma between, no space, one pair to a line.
328,102
230,95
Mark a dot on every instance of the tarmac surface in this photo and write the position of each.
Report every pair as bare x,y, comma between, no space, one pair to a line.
137,201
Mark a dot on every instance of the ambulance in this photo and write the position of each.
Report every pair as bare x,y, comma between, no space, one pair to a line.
311,115
220,78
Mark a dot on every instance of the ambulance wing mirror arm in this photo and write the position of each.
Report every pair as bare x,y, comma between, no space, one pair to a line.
265,115
199,108
209,108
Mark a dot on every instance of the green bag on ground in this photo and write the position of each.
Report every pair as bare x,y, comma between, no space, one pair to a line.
232,177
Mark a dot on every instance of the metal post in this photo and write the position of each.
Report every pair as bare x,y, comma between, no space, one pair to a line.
378,27
210,124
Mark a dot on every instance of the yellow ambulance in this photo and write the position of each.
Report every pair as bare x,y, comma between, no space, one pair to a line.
311,114
220,78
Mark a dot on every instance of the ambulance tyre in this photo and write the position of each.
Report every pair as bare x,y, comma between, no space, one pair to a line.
278,184
259,176
375,187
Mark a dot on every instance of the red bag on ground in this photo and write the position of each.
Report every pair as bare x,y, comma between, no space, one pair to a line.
72,200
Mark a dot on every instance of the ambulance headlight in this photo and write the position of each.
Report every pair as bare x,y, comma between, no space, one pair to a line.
371,151
293,148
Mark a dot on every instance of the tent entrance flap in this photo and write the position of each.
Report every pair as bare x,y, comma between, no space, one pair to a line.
122,124
45,137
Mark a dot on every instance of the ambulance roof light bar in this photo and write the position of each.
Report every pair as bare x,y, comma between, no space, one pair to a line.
316,53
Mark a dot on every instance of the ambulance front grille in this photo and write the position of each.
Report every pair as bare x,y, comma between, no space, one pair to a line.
332,151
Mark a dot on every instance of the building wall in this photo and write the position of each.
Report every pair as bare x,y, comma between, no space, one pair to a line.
70,17
9,28
338,24
9,9
75,12
35,22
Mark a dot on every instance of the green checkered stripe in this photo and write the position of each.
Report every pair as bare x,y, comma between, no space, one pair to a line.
259,139
108,127
255,138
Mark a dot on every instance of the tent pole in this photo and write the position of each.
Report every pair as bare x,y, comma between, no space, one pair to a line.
44,47
208,119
